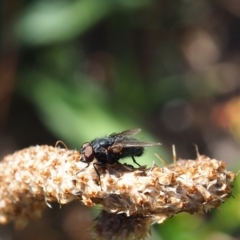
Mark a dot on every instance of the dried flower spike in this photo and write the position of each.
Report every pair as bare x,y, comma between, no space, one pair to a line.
36,176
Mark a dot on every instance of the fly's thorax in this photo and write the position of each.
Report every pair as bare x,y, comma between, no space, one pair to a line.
99,144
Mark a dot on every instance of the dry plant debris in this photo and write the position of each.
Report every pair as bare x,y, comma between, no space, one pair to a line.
36,176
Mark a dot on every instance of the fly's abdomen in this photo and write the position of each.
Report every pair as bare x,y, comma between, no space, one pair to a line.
132,152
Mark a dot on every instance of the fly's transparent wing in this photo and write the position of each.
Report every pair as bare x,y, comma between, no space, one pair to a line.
127,133
125,143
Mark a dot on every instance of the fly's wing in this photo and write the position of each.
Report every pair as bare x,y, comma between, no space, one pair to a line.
128,133
127,143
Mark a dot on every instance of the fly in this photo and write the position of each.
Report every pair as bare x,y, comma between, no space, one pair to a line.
110,149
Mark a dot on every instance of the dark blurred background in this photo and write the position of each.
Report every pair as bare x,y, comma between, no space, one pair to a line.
74,70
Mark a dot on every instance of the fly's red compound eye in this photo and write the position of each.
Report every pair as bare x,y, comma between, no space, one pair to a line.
89,153
85,145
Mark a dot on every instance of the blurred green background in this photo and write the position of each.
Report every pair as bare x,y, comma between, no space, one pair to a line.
74,70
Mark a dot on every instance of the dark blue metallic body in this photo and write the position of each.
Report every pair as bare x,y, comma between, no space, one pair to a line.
104,153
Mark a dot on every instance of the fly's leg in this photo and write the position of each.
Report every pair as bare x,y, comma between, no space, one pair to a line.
135,161
83,169
98,163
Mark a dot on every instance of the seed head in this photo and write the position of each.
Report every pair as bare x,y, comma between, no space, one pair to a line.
133,199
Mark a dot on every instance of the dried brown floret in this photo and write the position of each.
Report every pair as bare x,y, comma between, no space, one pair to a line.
119,226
